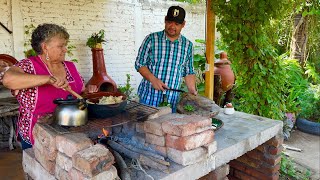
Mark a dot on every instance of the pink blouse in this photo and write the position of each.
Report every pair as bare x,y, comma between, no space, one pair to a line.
38,101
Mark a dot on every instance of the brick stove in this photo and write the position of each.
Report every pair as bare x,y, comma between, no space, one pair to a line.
175,146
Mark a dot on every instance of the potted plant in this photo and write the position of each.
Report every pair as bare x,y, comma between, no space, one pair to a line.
96,40
308,120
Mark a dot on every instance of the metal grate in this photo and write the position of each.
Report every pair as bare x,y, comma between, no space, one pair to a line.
134,111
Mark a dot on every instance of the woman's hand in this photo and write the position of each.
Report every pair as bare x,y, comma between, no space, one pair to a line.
58,83
92,88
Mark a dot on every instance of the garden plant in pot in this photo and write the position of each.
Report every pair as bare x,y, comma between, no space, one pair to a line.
308,120
96,39
301,100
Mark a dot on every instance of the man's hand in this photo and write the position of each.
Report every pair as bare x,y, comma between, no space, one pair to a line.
158,84
191,84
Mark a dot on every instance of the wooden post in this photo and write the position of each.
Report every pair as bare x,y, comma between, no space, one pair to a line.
210,37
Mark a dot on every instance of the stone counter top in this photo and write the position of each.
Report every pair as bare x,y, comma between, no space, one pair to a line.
240,133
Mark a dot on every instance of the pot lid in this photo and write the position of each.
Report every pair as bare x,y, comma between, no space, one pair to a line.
70,100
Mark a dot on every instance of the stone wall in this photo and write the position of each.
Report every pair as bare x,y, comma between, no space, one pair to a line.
126,23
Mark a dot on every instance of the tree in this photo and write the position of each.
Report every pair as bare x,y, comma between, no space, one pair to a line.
260,78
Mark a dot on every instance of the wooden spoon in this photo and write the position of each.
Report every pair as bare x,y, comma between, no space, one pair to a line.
74,93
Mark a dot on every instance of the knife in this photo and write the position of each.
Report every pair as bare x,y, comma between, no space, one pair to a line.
177,90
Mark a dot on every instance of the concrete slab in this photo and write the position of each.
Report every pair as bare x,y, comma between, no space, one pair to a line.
309,158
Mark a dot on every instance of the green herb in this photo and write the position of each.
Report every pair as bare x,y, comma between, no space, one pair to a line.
189,108
165,102
95,40
127,89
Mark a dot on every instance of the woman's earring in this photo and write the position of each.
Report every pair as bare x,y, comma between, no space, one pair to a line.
47,56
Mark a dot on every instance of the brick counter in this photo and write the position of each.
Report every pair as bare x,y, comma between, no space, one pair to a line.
249,146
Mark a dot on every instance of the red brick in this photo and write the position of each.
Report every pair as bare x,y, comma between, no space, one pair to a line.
269,159
45,137
77,175
61,174
64,161
93,160
254,172
162,111
250,161
244,176
155,139
154,126
230,177
237,165
218,174
275,141
72,143
187,125
45,163
186,158
275,150
189,142
49,154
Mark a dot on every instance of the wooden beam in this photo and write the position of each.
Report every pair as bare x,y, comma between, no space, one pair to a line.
210,37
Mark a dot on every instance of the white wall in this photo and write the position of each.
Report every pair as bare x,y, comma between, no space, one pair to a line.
126,23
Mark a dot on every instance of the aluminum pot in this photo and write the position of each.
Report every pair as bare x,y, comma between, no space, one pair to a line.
71,112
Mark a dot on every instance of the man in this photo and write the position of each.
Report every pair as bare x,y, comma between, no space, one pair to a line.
163,59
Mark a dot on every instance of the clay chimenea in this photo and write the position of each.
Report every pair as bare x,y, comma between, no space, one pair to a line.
100,78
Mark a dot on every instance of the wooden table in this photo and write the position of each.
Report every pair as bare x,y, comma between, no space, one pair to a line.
8,114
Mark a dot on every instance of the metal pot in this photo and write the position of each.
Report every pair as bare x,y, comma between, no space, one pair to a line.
71,112
101,111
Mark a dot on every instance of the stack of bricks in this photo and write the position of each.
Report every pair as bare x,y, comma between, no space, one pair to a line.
67,156
184,139
260,163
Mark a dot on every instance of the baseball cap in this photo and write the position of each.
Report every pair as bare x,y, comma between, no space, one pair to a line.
176,14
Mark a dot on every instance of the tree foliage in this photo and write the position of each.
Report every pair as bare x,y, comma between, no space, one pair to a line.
260,79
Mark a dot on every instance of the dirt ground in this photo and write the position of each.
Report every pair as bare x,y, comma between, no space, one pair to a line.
309,157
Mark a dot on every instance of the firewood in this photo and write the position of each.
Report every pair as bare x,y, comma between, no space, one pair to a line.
124,172
126,152
141,151
147,161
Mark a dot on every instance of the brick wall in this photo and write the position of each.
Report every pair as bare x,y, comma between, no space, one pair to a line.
6,46
126,24
261,163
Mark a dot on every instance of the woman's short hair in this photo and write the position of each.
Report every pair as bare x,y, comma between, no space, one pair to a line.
44,32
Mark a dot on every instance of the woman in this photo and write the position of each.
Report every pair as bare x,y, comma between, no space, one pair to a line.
38,80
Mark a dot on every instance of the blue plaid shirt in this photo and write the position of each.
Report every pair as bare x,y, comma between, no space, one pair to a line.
166,60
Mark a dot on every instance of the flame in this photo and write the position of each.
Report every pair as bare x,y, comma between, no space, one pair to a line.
105,132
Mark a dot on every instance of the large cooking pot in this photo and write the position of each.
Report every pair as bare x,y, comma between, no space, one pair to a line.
71,112
101,111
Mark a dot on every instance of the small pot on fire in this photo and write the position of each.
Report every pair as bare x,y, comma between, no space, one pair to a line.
71,112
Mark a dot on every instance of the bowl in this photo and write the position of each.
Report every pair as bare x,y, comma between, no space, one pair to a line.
229,110
101,111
